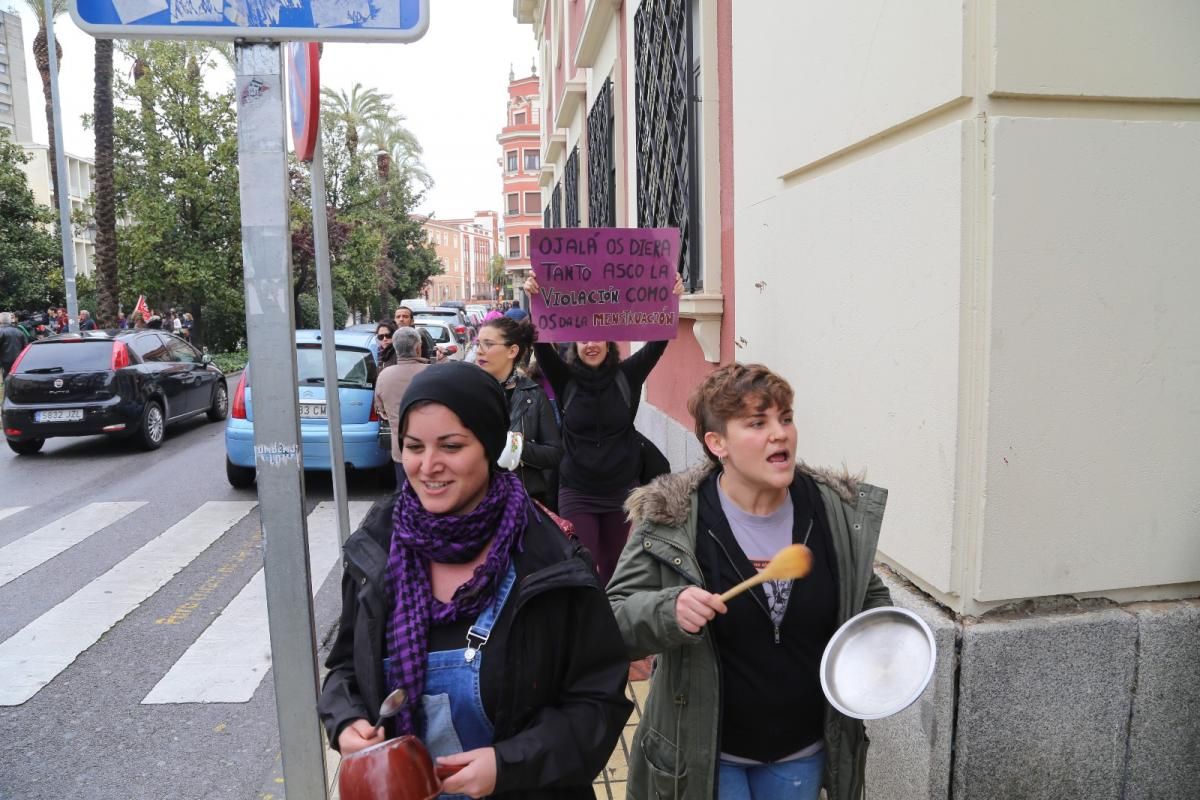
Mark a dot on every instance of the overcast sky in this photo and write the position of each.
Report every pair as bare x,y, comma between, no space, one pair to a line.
451,85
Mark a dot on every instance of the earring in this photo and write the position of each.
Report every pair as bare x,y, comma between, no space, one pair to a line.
722,460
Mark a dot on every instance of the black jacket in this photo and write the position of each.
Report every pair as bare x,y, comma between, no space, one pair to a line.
603,455
531,414
563,702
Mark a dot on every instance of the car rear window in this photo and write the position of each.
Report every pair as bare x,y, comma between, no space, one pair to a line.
353,365
69,356
438,332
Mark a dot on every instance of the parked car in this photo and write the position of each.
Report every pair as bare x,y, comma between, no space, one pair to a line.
457,318
454,345
117,382
356,391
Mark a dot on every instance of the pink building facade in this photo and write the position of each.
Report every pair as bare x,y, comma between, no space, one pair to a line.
520,165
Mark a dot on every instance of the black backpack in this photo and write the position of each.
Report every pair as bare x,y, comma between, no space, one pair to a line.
654,463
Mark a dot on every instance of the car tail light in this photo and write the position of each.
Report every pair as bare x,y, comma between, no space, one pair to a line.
120,355
460,328
12,431
238,410
18,361
374,414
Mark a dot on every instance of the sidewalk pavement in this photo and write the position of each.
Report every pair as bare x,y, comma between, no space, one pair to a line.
610,784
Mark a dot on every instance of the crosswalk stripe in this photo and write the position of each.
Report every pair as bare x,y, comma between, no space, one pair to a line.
34,655
228,662
8,512
64,533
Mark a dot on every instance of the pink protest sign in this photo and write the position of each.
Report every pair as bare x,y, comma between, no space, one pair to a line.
605,284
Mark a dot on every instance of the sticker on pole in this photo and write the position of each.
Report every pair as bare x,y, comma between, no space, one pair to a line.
304,96
605,284
259,20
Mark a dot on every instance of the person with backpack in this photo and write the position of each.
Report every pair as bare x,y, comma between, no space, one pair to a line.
605,457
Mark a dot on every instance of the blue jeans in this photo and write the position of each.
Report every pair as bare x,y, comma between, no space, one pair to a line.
794,780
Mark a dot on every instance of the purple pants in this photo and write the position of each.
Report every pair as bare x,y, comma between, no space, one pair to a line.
600,524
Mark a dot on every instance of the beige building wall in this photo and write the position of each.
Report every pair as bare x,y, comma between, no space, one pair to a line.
966,233
80,179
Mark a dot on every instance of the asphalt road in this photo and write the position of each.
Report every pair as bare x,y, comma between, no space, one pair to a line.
88,732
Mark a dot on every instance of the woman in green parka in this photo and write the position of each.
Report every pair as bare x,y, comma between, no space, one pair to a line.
735,707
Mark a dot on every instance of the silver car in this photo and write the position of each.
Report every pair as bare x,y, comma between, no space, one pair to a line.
453,346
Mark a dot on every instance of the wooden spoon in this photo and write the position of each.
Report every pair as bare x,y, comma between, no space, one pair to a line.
793,561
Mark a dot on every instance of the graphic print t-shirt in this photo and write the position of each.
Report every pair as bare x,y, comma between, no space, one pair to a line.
760,538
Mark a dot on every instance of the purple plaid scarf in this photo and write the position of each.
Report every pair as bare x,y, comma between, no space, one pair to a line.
419,537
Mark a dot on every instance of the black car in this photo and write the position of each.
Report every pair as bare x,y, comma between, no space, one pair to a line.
119,382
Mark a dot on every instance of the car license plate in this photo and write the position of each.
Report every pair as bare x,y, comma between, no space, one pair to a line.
312,409
59,415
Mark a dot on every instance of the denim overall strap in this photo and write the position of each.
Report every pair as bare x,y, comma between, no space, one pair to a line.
455,719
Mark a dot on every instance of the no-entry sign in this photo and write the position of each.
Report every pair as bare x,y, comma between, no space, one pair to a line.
304,96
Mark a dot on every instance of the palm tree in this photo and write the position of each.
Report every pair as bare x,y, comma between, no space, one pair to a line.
105,197
354,111
41,58
389,136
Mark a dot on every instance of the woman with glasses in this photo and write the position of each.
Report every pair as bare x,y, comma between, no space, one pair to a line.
502,344
383,335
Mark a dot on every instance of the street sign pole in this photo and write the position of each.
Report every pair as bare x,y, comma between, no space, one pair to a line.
270,326
304,100
328,352
63,190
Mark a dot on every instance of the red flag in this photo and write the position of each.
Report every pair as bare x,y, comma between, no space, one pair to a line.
142,308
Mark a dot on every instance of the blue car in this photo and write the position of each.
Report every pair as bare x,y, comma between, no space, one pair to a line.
356,390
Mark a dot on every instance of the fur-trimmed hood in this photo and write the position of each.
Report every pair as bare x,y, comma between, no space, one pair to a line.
667,500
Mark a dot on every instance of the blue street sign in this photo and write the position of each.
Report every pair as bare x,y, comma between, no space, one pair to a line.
258,20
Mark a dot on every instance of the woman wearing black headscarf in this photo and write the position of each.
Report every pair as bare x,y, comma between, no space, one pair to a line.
534,702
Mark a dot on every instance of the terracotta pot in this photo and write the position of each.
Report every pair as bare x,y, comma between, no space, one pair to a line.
398,769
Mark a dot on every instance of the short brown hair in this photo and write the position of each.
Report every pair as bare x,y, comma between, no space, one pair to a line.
735,390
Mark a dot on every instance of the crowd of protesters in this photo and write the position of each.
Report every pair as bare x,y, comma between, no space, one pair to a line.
502,589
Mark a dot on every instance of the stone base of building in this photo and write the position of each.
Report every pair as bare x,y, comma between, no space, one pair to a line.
1049,699
1055,699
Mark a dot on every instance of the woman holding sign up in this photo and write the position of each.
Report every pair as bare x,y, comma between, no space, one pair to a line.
604,460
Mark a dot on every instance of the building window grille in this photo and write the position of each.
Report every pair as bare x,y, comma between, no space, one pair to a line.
556,206
571,189
667,172
533,160
602,168
512,160
546,218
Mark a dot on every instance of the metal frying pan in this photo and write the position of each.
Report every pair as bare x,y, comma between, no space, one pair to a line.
878,663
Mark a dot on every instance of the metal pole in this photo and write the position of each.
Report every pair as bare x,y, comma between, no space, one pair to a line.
270,326
63,190
333,404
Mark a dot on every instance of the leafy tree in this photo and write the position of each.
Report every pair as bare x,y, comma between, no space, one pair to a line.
498,275
41,59
348,114
177,187
29,252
